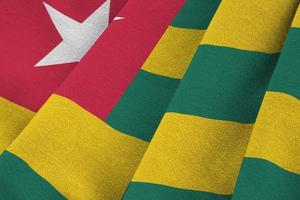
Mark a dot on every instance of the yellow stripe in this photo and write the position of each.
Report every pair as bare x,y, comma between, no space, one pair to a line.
296,21
77,153
13,119
256,25
173,54
195,153
276,135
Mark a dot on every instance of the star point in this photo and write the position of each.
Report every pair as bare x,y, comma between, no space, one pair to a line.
77,38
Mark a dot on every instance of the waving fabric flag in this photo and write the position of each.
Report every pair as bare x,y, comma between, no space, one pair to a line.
41,43
199,145
67,150
271,167
177,100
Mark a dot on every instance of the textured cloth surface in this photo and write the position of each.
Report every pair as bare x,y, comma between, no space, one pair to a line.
176,100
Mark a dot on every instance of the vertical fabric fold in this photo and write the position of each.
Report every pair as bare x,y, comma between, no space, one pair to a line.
197,150
270,168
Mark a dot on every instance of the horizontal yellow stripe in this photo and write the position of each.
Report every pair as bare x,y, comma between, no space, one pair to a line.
276,135
174,52
296,21
77,153
195,153
13,119
254,25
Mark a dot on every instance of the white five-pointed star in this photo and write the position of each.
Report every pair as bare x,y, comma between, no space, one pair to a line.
77,38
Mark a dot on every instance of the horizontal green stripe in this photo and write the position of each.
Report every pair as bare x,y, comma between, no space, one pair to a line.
196,14
286,76
19,182
224,83
261,179
148,191
142,106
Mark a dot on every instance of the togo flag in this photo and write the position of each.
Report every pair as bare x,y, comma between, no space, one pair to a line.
194,99
41,42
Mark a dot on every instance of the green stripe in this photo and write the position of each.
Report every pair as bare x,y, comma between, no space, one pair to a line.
142,106
19,182
147,191
196,14
261,179
224,83
286,77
